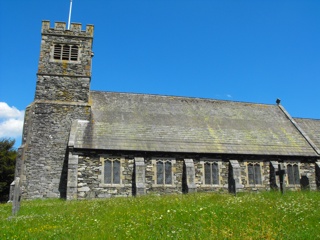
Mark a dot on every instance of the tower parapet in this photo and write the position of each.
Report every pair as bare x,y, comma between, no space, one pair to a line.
60,28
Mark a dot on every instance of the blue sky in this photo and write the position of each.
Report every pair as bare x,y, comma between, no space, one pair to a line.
251,51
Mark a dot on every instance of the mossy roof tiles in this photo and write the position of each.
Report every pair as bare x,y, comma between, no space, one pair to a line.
140,122
312,129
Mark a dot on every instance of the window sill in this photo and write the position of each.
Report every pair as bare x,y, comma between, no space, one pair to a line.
293,185
255,185
164,185
210,185
64,61
113,185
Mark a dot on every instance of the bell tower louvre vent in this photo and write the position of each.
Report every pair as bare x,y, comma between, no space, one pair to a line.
65,52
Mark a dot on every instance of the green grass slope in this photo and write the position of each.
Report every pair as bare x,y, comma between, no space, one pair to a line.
267,215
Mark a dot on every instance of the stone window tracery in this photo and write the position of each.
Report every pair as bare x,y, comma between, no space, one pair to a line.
112,170
254,174
211,173
163,171
293,174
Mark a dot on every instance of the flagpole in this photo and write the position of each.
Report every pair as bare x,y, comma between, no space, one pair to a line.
70,14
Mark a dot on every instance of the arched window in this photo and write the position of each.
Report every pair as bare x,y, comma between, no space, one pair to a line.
112,171
164,172
211,173
254,173
293,174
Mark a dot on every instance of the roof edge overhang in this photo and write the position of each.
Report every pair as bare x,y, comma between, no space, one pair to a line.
73,132
177,153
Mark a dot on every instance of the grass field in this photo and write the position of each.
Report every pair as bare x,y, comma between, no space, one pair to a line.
267,215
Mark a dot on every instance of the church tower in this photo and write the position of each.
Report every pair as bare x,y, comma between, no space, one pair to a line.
64,70
62,95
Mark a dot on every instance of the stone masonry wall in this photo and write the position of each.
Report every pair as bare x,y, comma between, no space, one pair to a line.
223,178
90,179
62,95
69,89
74,36
265,176
44,169
26,129
153,188
306,169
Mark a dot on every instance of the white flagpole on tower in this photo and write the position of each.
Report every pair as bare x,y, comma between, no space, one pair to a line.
70,14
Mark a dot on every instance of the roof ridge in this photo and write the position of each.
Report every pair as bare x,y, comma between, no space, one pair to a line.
183,97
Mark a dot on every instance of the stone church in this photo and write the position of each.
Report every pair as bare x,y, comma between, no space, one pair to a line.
83,144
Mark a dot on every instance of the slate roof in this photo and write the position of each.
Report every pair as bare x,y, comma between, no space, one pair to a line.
141,122
312,129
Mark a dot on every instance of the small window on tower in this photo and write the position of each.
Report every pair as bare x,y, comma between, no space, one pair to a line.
65,52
